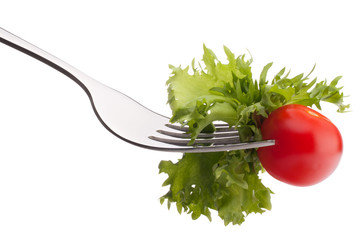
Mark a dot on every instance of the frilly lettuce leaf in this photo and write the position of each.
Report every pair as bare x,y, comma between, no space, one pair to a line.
228,182
220,181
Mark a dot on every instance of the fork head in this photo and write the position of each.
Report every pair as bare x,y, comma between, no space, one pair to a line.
224,138
138,125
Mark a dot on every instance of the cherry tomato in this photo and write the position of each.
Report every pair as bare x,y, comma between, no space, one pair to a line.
308,146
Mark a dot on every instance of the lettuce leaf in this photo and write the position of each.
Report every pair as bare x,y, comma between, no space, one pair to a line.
222,181
229,182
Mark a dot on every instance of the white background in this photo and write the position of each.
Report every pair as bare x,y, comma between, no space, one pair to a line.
63,176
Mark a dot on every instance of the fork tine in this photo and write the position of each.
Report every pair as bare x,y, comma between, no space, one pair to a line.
201,135
177,127
218,128
224,128
185,142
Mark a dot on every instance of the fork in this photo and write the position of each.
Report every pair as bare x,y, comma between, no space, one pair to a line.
131,121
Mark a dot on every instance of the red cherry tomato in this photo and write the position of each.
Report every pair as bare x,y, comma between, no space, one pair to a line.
308,146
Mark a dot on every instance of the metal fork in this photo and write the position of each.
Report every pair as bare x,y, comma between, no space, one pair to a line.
131,121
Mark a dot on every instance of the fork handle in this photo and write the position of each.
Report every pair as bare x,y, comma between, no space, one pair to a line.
23,46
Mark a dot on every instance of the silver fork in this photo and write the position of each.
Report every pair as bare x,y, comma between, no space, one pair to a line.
131,121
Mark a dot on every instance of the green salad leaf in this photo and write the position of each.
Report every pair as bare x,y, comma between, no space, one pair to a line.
229,182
